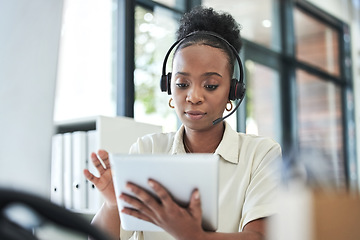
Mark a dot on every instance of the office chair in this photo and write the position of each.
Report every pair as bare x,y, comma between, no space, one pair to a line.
10,230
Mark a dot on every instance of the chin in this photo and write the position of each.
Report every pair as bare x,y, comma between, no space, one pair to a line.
198,125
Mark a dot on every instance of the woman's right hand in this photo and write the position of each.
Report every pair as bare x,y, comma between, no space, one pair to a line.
104,182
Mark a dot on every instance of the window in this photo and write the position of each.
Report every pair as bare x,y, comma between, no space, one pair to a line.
320,125
154,34
299,90
258,18
322,85
175,4
86,78
263,101
316,43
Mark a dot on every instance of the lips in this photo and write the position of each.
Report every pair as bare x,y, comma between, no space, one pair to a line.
195,115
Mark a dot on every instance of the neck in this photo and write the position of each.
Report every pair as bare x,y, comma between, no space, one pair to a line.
203,141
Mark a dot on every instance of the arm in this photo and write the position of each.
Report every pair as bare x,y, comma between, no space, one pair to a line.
254,230
107,218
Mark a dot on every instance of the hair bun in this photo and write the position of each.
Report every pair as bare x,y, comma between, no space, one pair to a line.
207,19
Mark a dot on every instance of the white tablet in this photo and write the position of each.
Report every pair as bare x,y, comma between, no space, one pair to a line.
179,174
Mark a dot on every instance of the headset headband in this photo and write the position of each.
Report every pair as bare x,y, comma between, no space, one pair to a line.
178,42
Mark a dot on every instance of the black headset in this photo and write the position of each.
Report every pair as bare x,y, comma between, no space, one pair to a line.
237,87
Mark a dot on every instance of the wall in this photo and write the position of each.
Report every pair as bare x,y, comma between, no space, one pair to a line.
29,39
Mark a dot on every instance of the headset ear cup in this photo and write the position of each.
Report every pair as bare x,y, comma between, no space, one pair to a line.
240,90
163,83
168,78
232,92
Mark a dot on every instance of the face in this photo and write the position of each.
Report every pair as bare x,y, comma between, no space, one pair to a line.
200,85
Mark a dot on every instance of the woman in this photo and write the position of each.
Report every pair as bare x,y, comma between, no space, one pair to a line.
200,84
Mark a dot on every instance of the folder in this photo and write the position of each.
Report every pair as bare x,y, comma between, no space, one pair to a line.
94,196
67,173
57,188
79,193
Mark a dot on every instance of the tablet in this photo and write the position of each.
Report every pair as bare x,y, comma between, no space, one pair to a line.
180,174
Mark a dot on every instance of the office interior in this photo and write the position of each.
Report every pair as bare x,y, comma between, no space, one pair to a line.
65,59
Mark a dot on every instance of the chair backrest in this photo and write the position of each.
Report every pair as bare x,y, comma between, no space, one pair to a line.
46,210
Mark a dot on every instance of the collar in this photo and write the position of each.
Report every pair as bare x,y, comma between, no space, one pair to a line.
227,149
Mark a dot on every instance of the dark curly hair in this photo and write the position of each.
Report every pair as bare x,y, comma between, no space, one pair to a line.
207,19
201,19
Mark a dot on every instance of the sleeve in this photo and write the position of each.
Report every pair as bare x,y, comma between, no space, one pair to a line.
264,184
126,235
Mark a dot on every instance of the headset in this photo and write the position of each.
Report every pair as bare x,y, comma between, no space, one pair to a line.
237,87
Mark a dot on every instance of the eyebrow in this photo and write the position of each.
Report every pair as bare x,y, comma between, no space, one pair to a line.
205,74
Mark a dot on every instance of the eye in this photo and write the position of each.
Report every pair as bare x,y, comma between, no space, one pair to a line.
211,87
182,85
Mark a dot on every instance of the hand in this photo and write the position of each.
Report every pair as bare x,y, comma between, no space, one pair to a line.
103,183
181,223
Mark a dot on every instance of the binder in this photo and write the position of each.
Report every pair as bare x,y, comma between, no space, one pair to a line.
113,134
94,197
79,151
67,173
57,186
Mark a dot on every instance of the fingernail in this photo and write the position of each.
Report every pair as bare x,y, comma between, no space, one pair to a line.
129,187
151,184
197,195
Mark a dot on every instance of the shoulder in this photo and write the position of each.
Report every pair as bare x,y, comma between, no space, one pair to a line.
240,147
153,143
257,142
260,149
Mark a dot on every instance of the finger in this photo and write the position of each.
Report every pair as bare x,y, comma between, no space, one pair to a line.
145,197
136,213
195,205
91,177
96,162
136,204
104,155
162,193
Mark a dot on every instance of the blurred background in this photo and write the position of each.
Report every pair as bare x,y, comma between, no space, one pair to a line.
69,59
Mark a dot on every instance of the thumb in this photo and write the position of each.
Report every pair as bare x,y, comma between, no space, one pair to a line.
195,205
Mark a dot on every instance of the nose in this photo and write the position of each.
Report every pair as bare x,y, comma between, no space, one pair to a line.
195,95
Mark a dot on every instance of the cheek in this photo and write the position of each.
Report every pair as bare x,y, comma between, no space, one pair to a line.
177,97
223,103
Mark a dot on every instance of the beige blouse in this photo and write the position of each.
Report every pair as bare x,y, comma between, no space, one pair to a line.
248,177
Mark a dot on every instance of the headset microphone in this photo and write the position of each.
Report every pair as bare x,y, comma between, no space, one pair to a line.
237,87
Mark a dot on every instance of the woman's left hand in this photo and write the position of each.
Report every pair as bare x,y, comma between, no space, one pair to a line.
181,223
